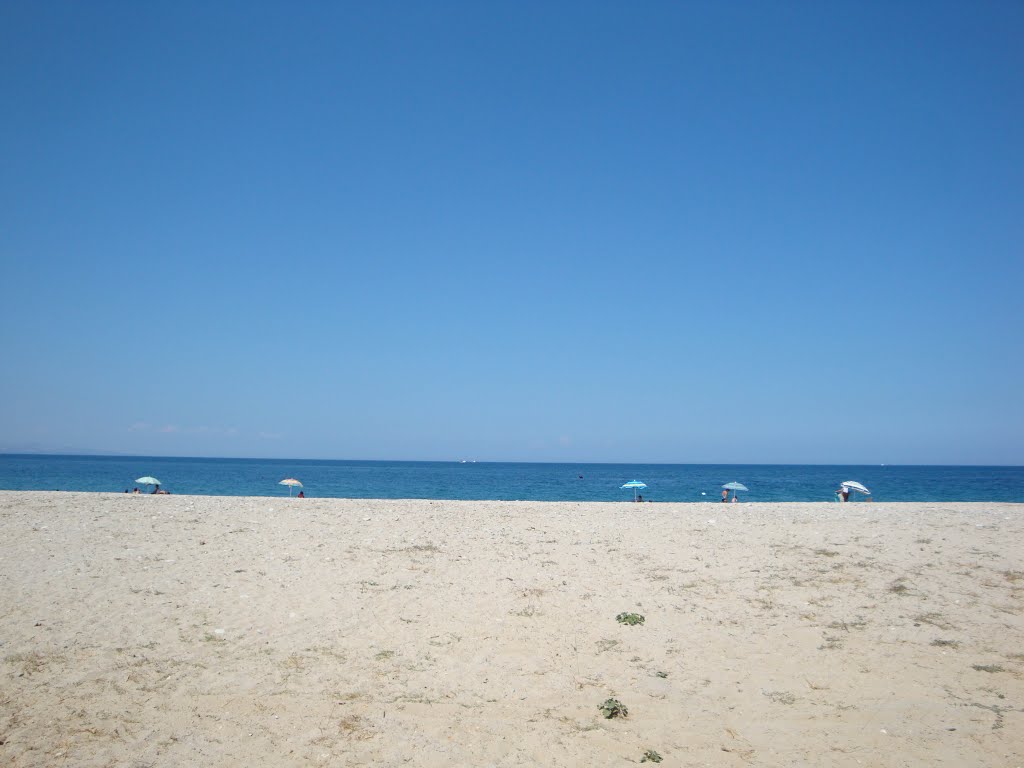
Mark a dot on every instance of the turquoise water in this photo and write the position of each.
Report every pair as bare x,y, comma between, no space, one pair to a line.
506,481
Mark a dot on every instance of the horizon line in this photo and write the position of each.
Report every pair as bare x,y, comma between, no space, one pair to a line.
494,461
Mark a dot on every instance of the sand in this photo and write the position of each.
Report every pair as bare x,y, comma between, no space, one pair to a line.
186,630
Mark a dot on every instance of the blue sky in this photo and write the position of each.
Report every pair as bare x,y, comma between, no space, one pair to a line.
678,232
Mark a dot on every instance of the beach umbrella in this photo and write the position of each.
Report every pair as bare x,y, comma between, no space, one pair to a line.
853,485
634,484
147,480
291,482
734,486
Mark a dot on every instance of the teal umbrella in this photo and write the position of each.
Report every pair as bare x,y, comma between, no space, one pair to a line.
634,484
734,487
147,480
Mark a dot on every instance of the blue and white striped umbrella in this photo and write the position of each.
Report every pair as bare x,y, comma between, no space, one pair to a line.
854,485
634,484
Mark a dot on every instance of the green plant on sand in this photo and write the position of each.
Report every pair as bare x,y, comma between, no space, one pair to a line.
613,708
650,756
630,618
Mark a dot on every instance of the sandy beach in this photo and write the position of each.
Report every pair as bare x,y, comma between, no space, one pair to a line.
186,630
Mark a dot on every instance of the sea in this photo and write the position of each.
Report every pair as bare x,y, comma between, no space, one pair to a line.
506,481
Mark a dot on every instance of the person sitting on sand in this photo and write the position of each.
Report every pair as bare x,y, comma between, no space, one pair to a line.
725,495
302,494
735,498
136,491
639,498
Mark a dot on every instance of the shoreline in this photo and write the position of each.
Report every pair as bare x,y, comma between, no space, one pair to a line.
286,632
613,503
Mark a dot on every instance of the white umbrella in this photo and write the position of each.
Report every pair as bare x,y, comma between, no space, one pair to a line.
853,485
291,482
147,480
